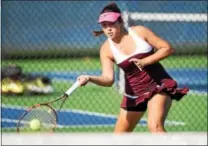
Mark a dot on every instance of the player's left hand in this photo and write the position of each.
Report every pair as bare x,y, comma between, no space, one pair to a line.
140,63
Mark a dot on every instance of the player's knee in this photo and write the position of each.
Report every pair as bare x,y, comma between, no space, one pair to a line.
156,127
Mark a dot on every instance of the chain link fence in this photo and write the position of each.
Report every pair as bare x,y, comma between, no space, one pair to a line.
47,44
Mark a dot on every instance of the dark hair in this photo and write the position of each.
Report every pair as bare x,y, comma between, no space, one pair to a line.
112,7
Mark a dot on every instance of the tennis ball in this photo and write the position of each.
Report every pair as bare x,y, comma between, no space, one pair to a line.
35,124
49,111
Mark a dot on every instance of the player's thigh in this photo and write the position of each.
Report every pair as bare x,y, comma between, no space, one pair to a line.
127,120
158,107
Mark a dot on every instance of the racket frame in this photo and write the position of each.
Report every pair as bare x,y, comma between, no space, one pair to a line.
33,107
47,104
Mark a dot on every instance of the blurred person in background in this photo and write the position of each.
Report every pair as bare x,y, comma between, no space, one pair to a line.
137,51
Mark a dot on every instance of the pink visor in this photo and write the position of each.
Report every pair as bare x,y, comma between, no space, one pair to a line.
109,16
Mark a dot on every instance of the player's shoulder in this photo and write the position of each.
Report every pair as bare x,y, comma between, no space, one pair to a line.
140,29
105,50
105,46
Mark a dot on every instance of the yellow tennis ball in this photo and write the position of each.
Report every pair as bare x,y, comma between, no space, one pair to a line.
35,124
49,111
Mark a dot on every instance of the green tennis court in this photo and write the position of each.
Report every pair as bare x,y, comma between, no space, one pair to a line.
190,114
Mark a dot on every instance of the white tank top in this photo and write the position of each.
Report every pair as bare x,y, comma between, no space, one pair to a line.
141,47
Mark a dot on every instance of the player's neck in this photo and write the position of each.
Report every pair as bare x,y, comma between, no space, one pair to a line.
119,38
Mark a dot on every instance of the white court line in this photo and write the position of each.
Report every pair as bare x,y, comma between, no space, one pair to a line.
59,126
24,122
167,122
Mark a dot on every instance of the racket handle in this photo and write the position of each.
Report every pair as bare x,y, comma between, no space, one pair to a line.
72,88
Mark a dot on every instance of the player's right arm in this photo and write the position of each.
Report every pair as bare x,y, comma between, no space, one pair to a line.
107,76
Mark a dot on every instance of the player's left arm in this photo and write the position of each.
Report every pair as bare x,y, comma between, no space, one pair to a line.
163,48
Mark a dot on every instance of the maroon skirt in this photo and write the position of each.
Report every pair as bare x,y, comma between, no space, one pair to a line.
168,86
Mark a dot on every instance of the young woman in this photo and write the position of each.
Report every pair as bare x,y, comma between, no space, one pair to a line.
147,85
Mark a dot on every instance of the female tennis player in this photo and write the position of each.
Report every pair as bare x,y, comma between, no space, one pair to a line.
137,51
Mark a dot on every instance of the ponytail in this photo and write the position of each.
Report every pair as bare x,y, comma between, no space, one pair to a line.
97,33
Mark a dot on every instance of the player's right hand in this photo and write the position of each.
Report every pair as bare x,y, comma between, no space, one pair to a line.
83,79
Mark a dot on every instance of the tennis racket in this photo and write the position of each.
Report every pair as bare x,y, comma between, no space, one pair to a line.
43,117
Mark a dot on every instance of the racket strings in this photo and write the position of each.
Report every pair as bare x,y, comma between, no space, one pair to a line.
44,114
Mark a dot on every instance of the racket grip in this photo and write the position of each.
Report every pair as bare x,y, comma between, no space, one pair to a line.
72,88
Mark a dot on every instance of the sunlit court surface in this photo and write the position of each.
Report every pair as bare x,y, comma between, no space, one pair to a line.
46,45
